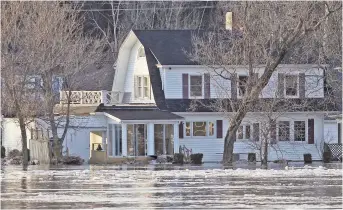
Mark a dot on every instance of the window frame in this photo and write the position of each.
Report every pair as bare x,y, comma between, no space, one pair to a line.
244,129
202,87
305,133
207,129
285,86
142,90
238,86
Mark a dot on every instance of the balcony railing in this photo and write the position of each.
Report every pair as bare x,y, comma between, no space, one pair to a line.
91,97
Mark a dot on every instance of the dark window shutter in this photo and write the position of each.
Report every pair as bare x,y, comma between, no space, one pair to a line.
233,86
273,131
281,85
310,131
339,133
207,86
219,129
302,85
181,130
256,131
185,86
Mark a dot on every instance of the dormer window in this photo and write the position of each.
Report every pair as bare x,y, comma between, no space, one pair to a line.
291,85
141,52
142,87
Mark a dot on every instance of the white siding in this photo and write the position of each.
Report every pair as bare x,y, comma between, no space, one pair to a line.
11,134
212,148
221,88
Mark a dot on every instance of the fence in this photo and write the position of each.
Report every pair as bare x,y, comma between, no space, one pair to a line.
39,146
335,150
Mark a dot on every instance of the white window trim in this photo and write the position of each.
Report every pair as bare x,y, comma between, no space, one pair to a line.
189,87
291,130
284,86
207,129
142,90
244,132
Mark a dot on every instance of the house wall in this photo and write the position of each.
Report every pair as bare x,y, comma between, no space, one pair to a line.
221,88
331,131
212,148
12,135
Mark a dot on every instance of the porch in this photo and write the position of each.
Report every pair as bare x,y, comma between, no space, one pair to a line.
136,133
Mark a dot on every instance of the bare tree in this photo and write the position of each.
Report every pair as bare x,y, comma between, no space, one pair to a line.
55,43
264,35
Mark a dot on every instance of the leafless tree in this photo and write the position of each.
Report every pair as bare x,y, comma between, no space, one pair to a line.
55,43
264,35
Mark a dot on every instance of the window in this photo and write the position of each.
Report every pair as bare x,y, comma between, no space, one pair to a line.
211,129
188,129
283,133
244,132
33,82
291,85
142,87
242,81
195,86
199,129
141,52
299,130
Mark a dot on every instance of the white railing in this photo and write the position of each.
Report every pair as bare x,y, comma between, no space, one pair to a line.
91,97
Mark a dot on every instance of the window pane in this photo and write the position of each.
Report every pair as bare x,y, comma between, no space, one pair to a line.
211,129
188,129
199,128
196,90
299,130
196,85
146,92
139,81
247,132
284,131
145,81
291,85
240,132
242,80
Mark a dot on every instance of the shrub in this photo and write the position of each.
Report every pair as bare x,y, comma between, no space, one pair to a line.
72,160
18,160
3,152
14,153
178,158
196,158
252,157
307,158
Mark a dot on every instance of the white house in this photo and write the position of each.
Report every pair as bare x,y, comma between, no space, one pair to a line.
149,110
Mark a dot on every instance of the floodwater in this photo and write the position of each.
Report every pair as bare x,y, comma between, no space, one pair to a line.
155,186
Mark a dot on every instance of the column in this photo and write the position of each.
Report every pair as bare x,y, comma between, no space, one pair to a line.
113,140
124,139
104,137
176,138
151,139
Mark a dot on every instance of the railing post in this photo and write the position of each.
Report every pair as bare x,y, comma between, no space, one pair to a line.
104,97
81,97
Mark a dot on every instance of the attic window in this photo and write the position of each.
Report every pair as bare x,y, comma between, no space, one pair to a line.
141,52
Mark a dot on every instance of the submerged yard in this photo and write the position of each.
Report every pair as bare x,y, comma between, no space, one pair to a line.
167,186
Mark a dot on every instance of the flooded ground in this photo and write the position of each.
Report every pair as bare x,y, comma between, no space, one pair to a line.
208,186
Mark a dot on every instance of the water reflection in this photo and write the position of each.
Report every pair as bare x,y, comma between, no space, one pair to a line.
168,186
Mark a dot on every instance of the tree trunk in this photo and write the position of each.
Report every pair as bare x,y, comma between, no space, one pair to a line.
264,162
23,141
57,147
229,141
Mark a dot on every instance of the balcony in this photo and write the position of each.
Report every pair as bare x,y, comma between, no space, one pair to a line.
91,97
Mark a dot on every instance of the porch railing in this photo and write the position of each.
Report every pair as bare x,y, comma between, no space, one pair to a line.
91,97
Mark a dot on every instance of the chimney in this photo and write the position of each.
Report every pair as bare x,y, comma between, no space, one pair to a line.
228,21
